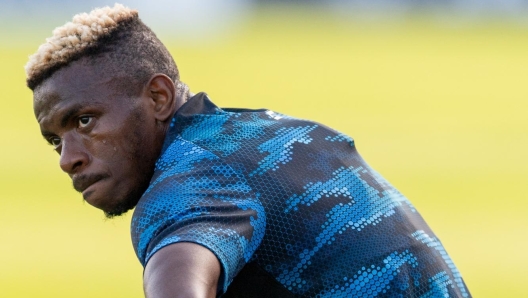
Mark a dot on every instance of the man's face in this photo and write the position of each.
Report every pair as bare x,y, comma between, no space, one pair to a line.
107,140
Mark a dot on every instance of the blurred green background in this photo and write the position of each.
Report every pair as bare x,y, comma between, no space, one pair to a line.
437,107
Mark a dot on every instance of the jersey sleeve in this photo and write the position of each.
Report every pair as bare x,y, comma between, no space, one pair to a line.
195,197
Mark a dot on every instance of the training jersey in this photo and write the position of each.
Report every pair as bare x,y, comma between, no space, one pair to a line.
289,208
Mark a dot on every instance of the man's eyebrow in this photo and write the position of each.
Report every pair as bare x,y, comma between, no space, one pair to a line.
69,113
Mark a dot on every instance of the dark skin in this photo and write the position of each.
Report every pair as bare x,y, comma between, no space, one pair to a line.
108,142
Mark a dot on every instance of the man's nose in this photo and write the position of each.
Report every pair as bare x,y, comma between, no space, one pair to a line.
73,155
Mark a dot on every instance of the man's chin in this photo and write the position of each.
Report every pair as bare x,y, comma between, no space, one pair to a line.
114,210
115,213
110,207
114,203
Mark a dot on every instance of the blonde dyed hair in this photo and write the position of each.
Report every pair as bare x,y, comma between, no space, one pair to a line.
116,34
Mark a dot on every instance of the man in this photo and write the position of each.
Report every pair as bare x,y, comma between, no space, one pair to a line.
232,202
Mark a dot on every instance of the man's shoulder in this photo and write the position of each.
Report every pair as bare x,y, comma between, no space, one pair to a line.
188,182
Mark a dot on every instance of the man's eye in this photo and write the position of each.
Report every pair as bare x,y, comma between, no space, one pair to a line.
55,141
84,121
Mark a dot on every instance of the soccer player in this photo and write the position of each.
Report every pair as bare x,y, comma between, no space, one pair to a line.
232,202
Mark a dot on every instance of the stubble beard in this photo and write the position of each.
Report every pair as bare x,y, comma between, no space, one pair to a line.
145,167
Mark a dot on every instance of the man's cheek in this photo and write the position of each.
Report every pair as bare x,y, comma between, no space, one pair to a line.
104,148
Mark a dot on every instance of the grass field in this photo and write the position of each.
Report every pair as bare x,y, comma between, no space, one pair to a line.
438,110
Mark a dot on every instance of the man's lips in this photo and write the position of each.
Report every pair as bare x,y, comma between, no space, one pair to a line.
81,183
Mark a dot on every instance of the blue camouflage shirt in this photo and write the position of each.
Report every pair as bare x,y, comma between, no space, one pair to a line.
289,208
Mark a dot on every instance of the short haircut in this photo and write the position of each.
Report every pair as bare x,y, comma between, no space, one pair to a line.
116,34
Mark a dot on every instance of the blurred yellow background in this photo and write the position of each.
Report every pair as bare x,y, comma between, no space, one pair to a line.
440,111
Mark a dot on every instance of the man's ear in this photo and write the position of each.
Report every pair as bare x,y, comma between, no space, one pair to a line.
161,92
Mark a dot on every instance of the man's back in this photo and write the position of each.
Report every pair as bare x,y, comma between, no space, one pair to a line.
289,208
